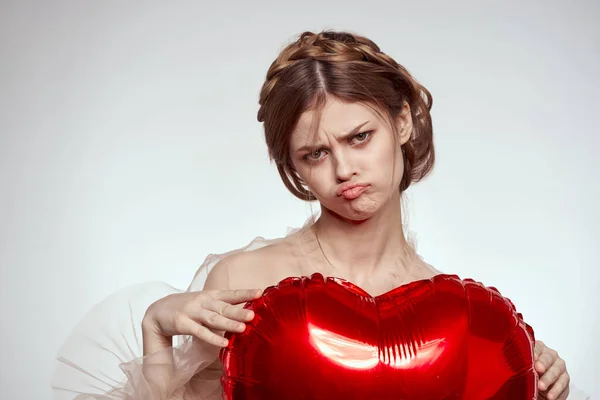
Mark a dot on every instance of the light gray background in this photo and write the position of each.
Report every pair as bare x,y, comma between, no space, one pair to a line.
129,150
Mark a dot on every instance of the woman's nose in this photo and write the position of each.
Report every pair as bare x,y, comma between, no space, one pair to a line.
344,169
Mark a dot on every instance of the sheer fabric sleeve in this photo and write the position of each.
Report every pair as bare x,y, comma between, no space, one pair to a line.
102,359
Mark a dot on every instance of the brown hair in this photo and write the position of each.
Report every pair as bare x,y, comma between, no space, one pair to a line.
350,68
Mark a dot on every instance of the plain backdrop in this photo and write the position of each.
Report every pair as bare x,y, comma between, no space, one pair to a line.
130,150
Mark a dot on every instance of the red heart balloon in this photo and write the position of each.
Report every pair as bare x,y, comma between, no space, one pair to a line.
439,338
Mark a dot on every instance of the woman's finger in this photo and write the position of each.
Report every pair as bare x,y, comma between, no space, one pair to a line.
545,360
559,390
538,349
552,374
214,320
230,311
188,326
237,296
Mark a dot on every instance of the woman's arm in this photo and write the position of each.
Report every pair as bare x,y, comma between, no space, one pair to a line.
202,317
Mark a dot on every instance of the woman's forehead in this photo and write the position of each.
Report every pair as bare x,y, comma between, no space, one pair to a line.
335,117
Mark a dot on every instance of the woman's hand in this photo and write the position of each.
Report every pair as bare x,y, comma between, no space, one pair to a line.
203,315
554,378
199,314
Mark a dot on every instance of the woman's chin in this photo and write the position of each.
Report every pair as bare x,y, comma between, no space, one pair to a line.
362,208
355,211
359,211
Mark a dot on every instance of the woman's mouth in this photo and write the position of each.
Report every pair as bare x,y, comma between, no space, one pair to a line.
353,192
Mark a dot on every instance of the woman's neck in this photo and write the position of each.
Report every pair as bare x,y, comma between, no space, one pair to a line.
360,250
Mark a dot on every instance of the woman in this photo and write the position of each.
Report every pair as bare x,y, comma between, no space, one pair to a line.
350,128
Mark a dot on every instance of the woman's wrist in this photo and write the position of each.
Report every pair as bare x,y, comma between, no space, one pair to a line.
152,340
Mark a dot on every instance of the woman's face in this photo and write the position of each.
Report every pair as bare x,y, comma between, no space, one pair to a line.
352,164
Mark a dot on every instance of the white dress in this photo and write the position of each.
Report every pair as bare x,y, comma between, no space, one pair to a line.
102,358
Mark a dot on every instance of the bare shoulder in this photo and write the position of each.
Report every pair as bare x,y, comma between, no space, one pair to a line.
252,269
432,270
423,270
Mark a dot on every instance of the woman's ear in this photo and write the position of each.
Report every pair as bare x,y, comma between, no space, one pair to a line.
404,124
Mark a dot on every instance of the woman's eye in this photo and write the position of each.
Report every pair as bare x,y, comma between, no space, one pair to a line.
362,136
315,155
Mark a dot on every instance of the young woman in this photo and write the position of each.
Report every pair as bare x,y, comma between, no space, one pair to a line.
346,126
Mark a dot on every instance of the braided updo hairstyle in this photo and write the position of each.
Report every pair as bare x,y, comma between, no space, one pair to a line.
350,68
